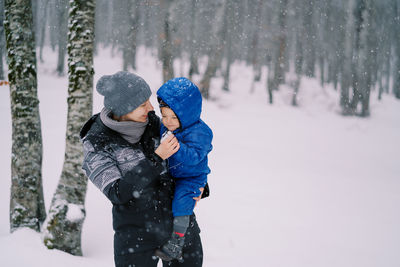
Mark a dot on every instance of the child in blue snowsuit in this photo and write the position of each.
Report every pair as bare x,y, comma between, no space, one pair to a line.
180,103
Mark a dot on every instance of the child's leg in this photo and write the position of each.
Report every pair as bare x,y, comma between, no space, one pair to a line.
182,207
181,223
193,253
183,202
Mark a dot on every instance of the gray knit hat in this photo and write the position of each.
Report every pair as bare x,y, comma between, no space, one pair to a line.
123,92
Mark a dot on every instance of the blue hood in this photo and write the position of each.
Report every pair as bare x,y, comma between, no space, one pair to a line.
184,98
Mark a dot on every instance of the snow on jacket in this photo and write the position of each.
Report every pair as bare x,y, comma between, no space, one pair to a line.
135,180
194,136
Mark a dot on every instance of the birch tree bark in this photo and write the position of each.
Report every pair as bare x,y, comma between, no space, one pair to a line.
67,212
26,204
1,39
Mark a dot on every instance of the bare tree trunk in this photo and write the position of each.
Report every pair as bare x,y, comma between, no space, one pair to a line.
357,95
280,62
229,24
62,11
396,82
298,61
363,82
135,18
380,87
227,72
53,28
131,30
256,57
67,212
271,86
324,9
42,24
215,56
388,65
26,204
194,66
346,81
368,58
309,49
165,40
296,86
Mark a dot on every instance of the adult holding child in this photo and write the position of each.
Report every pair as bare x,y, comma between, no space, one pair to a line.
123,157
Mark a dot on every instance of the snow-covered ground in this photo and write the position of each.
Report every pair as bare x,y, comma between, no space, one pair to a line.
290,187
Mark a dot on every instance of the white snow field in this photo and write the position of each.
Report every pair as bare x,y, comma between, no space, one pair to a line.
290,186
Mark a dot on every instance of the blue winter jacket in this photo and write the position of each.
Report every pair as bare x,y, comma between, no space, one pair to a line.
190,163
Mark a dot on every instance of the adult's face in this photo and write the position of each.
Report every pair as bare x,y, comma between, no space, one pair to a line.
139,114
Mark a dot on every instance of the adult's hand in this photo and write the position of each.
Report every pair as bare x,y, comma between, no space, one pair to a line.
199,197
168,147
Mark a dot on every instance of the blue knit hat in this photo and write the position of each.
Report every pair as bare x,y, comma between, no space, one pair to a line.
123,92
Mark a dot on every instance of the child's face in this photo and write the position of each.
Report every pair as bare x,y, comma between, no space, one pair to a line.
169,119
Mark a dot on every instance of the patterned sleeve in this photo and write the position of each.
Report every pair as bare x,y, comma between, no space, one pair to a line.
122,181
100,168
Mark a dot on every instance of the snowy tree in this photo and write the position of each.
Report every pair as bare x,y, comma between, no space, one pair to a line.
2,44
27,205
67,212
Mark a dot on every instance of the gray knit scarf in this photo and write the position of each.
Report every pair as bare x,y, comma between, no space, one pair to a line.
131,131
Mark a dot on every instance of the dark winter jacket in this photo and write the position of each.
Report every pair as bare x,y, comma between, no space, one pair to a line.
189,165
135,180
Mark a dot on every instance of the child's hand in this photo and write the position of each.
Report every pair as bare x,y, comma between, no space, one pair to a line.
168,147
199,197
165,135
